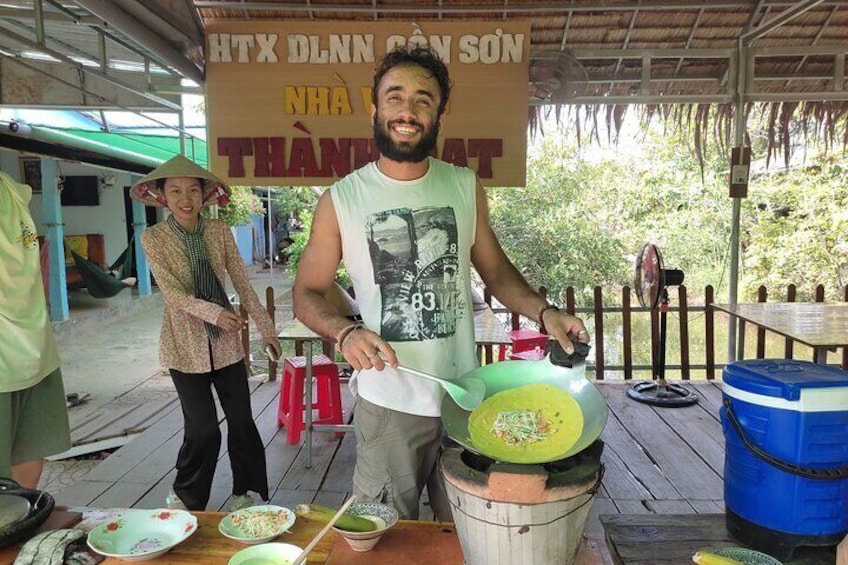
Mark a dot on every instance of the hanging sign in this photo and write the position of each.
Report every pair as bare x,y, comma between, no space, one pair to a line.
740,168
289,103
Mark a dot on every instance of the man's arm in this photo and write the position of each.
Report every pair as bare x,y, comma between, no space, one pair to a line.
510,287
316,272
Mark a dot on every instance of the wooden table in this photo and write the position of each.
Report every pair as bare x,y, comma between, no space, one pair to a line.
665,539
820,325
409,542
488,330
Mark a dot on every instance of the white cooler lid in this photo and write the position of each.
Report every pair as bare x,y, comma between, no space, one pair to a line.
787,383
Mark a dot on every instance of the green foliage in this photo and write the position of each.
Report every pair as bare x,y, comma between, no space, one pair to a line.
795,231
294,200
586,213
295,250
242,207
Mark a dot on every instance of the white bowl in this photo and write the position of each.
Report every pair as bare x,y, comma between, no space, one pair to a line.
276,553
139,535
381,514
231,527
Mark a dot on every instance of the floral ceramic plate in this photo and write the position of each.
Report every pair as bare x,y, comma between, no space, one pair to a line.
266,554
747,556
139,535
256,524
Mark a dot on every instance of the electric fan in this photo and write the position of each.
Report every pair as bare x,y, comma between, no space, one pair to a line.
556,77
651,283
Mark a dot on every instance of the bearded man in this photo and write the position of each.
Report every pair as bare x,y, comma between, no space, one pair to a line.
408,228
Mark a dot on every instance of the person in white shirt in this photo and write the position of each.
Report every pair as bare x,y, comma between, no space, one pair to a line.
408,228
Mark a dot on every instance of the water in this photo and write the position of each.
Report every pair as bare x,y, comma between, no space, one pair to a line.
613,341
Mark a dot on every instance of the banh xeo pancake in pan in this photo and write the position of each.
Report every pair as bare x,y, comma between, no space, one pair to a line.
528,424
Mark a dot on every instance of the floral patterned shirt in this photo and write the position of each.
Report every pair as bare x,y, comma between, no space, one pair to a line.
183,344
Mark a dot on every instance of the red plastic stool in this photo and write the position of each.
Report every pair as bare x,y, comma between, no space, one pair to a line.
536,354
327,399
524,340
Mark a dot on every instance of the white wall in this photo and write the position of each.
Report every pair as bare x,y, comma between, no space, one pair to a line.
108,218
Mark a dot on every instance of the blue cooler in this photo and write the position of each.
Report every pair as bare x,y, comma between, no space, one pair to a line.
785,426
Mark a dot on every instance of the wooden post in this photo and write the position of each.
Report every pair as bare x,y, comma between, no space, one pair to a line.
787,348
272,311
819,298
762,296
599,332
709,332
569,300
627,332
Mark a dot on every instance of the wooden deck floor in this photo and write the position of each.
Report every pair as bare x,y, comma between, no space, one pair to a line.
658,460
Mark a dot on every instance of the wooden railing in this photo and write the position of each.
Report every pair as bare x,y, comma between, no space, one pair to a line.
683,312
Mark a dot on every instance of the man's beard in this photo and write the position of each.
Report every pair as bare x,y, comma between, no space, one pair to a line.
404,152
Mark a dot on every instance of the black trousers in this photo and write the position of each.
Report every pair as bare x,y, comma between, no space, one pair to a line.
202,440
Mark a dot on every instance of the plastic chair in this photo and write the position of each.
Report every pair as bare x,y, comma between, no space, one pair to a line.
536,354
524,341
327,399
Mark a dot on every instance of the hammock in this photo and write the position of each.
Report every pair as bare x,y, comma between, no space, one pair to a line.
125,261
101,284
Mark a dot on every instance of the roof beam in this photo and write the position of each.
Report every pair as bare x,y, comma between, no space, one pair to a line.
547,8
799,8
652,53
803,60
61,13
112,103
129,26
29,14
90,70
65,46
565,29
60,8
690,38
626,42
712,53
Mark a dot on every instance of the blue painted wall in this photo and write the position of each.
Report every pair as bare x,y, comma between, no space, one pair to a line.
244,239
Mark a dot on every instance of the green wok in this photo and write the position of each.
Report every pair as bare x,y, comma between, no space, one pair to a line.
506,375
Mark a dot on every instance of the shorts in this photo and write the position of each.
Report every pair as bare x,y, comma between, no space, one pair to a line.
33,423
397,456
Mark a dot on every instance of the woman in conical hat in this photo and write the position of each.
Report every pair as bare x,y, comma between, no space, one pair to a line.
200,343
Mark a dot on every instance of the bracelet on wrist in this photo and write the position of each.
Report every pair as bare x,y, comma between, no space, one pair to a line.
544,309
347,335
344,331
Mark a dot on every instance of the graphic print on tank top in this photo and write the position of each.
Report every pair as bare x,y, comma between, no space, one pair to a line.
416,266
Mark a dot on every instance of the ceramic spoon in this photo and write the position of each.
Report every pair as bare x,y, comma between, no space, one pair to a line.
467,392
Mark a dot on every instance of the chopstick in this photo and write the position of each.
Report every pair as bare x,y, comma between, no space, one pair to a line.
302,557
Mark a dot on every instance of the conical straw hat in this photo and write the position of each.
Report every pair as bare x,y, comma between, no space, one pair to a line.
215,191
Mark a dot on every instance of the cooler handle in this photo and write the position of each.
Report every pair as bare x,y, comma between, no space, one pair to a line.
806,472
